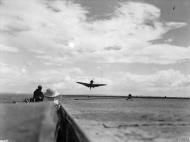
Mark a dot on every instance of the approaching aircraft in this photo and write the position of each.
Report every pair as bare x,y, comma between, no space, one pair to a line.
91,84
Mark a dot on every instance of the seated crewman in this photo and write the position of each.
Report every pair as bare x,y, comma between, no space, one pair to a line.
38,94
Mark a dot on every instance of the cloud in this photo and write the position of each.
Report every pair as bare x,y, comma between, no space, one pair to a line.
169,40
57,78
174,25
112,48
63,80
19,77
118,82
8,48
171,79
62,30
10,74
164,81
161,54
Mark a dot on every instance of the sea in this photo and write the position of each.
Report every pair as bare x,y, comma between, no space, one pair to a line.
10,98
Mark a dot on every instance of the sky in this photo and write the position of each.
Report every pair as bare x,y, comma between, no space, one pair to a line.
140,47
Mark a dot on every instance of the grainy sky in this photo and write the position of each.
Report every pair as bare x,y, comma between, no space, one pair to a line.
140,47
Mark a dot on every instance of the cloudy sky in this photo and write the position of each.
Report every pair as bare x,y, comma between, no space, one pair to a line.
140,47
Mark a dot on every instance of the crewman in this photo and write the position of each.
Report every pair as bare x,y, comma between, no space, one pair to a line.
38,94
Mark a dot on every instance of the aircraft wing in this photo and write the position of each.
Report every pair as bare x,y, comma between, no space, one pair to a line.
97,85
85,84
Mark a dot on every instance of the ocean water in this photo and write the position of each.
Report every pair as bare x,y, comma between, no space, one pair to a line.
10,98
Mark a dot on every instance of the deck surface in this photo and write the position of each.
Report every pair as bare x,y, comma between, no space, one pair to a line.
33,122
121,120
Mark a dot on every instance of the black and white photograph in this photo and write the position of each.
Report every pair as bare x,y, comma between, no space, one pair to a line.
94,70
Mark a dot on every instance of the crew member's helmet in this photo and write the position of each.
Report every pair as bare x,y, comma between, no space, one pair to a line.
40,87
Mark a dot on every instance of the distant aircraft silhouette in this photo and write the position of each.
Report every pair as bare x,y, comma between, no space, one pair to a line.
129,97
91,84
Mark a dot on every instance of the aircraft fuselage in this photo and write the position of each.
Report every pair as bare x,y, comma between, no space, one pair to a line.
91,84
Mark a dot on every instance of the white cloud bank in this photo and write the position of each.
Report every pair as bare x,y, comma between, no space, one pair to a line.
11,75
165,81
8,48
64,81
60,29
170,82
